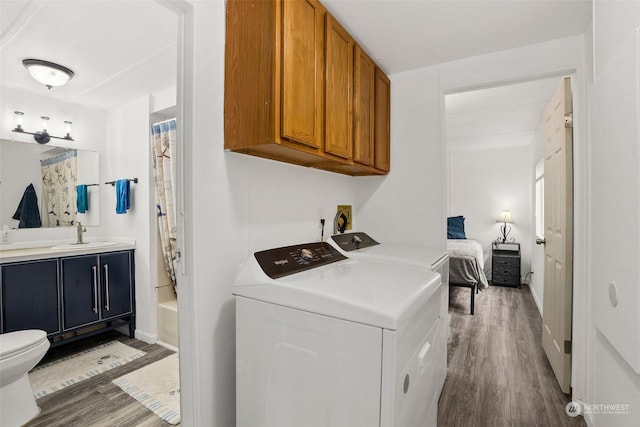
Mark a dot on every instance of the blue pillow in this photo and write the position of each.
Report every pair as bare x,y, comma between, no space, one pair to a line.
455,227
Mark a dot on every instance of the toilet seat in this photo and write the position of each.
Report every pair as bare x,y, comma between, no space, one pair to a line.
13,343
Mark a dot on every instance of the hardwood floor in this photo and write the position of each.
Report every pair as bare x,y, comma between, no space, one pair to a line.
96,401
498,374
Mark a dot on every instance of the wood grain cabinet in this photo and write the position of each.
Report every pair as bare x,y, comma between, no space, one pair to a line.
338,90
363,111
289,86
382,119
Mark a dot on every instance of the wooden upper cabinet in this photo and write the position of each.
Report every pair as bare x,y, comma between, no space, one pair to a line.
302,69
289,88
382,157
363,107
338,90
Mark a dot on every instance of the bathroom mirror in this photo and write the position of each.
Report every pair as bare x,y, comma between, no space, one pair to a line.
55,173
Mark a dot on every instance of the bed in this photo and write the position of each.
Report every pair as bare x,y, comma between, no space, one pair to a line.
466,266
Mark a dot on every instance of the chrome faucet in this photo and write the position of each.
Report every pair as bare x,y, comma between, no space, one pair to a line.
81,229
340,228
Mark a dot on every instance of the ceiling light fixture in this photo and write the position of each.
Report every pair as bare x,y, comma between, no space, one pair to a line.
41,137
48,73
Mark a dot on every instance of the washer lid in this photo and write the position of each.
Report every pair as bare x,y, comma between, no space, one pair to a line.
406,253
19,341
372,292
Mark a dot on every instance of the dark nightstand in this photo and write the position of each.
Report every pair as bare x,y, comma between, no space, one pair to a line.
505,264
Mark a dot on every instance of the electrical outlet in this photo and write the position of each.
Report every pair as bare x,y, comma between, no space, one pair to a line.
346,209
5,237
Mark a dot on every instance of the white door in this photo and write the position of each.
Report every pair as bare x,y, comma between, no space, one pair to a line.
558,233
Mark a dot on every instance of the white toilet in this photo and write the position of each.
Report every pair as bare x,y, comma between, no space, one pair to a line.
20,352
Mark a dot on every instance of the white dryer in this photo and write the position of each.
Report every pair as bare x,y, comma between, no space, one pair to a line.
359,245
324,340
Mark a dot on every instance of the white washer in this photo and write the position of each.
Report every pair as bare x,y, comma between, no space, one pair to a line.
324,340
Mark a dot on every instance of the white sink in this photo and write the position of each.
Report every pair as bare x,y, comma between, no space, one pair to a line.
87,245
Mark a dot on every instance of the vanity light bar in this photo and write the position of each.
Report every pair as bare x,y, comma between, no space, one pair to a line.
41,137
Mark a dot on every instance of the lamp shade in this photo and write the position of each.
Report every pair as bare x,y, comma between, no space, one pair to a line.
505,216
48,73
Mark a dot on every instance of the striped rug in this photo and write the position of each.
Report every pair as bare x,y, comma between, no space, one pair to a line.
67,371
156,386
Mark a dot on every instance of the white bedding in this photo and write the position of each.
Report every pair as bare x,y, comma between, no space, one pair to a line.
463,246
468,248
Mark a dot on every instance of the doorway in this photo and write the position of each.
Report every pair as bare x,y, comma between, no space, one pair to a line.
493,142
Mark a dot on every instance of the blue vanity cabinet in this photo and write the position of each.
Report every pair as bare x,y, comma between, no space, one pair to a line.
98,288
30,296
80,291
116,279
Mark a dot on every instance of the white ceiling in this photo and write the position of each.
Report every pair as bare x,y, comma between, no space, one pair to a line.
407,34
119,50
497,117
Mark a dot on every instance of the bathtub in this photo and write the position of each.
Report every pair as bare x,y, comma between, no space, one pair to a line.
168,324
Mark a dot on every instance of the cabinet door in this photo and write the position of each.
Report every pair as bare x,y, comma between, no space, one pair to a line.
80,290
338,90
382,157
116,284
30,298
363,111
302,65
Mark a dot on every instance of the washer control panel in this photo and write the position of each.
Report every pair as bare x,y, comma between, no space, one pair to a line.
280,262
353,241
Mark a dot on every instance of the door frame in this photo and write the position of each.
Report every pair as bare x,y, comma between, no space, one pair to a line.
581,293
190,402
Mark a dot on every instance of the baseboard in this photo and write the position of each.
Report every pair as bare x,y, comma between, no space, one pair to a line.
146,337
169,346
536,299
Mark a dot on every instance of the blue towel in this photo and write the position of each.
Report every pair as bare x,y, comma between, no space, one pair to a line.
82,199
28,212
123,188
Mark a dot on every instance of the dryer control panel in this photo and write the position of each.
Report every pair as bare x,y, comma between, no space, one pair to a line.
280,262
353,241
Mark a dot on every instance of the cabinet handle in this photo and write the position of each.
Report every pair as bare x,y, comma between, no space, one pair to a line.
106,283
95,288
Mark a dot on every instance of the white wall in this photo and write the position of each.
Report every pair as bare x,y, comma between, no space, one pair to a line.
128,156
485,182
408,204
614,211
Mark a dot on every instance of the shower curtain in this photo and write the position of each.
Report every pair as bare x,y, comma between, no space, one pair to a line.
163,141
59,179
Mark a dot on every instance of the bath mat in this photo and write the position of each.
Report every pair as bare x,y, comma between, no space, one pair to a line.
67,371
156,386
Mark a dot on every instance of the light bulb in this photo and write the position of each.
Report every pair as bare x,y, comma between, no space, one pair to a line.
44,122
